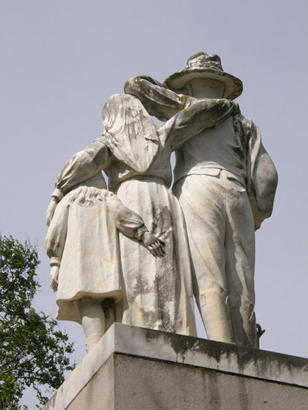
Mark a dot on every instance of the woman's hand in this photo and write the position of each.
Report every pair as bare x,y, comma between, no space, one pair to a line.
153,245
54,277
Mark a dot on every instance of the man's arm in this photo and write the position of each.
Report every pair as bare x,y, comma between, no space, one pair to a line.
157,100
187,115
196,117
262,174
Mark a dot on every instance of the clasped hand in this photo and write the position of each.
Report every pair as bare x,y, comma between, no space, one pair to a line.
153,244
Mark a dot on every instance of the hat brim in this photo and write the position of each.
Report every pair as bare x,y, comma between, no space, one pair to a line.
178,80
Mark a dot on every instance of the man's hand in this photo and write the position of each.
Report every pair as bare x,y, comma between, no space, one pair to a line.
153,245
51,210
54,276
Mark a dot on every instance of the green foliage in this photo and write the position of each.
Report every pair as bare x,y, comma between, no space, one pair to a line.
33,351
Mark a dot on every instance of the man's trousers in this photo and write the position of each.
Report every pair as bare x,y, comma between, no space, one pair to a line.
222,242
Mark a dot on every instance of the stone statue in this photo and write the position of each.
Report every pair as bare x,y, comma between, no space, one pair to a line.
225,182
83,247
135,154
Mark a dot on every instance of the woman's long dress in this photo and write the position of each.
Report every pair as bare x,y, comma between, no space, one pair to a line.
157,292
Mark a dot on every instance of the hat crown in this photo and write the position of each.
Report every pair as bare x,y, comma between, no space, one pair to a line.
204,61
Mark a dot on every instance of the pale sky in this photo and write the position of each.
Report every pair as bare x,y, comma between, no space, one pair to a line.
61,59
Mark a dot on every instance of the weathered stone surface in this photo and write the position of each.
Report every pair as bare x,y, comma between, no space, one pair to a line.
133,368
224,185
147,274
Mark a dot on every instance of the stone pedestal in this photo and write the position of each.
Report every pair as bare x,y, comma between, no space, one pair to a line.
140,369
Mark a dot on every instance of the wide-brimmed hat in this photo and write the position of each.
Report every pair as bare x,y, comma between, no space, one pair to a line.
203,65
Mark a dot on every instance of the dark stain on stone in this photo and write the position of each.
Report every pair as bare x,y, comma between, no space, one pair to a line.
243,394
140,287
213,390
261,360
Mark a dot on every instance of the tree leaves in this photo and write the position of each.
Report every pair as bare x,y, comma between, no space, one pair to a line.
33,351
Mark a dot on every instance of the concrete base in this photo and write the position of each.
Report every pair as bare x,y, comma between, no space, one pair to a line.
141,369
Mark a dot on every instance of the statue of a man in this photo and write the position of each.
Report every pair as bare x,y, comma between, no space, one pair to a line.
226,182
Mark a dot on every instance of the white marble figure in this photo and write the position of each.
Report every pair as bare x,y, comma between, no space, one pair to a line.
225,182
83,246
135,154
